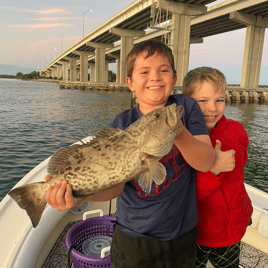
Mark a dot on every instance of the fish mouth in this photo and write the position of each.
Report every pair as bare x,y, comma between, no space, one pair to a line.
174,114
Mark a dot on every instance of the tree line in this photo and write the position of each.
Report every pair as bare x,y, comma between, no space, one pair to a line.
36,75
20,75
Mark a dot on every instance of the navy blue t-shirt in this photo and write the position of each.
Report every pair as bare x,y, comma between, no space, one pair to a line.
170,209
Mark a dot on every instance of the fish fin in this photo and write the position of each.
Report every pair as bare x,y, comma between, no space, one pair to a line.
60,159
105,135
159,151
30,198
156,172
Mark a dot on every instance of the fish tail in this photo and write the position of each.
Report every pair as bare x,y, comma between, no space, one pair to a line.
31,198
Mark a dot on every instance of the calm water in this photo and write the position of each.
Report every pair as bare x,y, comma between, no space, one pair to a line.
38,118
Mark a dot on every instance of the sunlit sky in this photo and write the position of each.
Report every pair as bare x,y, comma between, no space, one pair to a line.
30,30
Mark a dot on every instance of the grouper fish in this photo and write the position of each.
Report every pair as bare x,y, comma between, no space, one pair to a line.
113,157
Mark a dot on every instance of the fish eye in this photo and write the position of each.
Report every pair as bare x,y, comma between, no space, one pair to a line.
157,116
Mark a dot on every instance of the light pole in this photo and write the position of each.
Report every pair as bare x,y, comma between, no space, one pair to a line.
51,52
83,18
62,42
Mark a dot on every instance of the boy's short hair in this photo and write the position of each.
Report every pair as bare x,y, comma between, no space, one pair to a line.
151,47
201,74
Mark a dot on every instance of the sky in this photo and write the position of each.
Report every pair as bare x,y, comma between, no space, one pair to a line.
33,31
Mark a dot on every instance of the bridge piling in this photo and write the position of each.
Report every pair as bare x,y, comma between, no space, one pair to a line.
235,97
227,95
264,97
246,95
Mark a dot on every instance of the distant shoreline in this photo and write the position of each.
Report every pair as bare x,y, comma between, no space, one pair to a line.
45,80
58,81
33,80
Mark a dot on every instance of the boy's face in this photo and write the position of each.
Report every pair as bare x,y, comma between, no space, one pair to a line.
152,80
211,102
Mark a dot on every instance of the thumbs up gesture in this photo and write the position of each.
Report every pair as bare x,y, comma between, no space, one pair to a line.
224,161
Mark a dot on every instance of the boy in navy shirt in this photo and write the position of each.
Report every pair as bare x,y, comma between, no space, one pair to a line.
155,229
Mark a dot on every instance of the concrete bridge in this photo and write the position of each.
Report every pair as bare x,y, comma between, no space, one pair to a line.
178,23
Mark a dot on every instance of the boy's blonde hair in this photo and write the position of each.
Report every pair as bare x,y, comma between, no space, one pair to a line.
201,74
151,47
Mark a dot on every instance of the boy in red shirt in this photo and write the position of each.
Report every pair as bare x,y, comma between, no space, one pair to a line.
224,207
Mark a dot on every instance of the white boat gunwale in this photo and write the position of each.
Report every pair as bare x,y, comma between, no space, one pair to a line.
23,241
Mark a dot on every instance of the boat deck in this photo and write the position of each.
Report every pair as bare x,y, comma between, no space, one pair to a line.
250,258
58,258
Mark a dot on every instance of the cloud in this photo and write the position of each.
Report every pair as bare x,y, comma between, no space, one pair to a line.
53,18
46,21
41,45
51,11
47,11
43,26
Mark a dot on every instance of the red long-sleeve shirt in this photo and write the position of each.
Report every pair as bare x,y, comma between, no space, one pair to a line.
224,207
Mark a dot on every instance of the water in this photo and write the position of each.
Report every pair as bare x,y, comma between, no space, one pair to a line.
38,118
254,119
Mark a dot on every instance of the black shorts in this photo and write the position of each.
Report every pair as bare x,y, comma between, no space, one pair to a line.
220,257
144,252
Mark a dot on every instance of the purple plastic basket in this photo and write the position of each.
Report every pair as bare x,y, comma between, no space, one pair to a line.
81,232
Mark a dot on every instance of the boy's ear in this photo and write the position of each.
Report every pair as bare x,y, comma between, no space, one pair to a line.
129,84
175,78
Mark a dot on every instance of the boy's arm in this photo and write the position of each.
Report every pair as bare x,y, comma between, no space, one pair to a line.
60,196
196,150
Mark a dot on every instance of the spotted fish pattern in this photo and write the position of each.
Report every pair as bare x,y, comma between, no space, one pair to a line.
113,157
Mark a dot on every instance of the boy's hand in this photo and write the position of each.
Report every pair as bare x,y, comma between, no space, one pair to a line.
60,196
224,161
180,129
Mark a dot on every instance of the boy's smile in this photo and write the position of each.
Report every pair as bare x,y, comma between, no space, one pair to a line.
211,102
152,80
